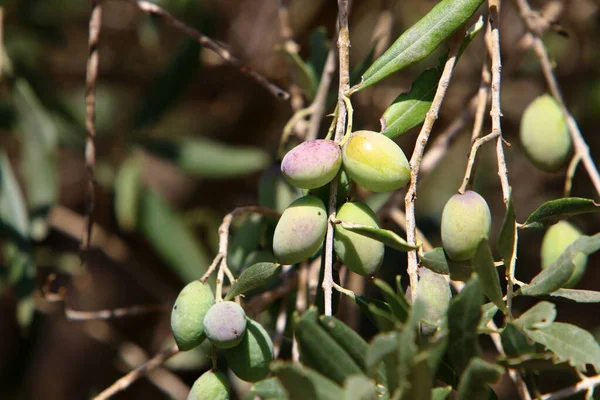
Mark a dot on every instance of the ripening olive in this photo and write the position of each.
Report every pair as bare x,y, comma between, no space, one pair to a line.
375,162
434,292
188,312
466,221
359,253
544,134
212,385
312,164
250,359
300,230
556,240
225,324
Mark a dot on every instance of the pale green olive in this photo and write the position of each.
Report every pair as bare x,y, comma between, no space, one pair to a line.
466,220
250,360
312,164
225,324
556,240
359,253
212,385
188,312
375,162
545,135
300,230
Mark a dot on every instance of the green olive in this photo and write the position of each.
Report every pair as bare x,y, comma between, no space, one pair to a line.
300,230
359,253
466,220
212,385
250,360
225,324
312,164
188,312
556,240
545,135
375,162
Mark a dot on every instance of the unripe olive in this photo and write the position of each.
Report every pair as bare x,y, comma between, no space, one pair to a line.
466,221
250,360
359,253
556,240
375,162
188,312
225,324
434,292
312,164
544,134
212,385
300,230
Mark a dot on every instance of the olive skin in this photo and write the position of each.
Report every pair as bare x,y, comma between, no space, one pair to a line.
375,162
545,135
225,324
250,360
192,304
466,220
362,255
212,385
300,230
434,292
312,164
556,240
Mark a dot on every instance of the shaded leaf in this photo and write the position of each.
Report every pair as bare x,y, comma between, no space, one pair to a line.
515,342
303,383
555,276
483,264
488,310
378,312
436,261
384,236
474,383
540,315
244,240
569,343
506,238
534,362
268,389
319,47
128,192
208,159
254,277
397,302
553,211
171,238
421,39
383,349
464,314
347,337
306,74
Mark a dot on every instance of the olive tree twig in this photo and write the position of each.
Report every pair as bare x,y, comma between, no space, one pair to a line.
152,9
125,381
530,18
344,85
586,384
417,156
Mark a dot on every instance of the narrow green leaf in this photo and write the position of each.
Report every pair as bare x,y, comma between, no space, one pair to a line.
307,77
303,383
483,264
514,341
397,302
14,222
538,316
378,312
441,393
464,314
555,276
383,349
385,236
359,387
421,39
576,295
553,211
506,239
347,337
534,362
171,238
436,261
128,192
208,159
474,383
268,389
569,343
252,278
488,310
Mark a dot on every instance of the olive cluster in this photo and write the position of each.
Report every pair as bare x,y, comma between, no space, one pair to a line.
246,345
370,159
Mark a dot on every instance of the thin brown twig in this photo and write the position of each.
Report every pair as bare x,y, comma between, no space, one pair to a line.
417,156
586,384
152,9
344,85
125,381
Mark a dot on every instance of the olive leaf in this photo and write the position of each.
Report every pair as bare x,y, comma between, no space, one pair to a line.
475,381
483,264
396,301
441,393
359,387
436,261
253,277
421,39
128,192
304,383
383,349
514,341
268,389
553,211
506,238
384,236
538,316
575,295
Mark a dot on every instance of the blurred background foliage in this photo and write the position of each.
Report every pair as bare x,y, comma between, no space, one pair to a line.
183,138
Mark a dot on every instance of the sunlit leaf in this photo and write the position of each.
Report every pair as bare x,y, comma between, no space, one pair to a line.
254,277
303,383
575,295
483,264
384,236
436,261
506,239
397,302
441,393
538,316
359,387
